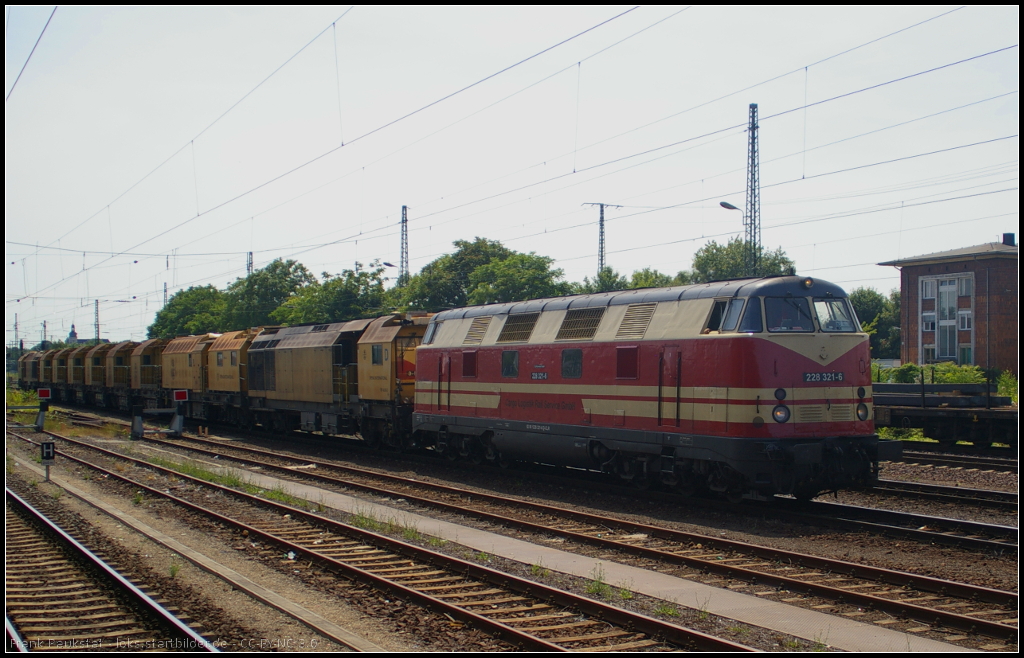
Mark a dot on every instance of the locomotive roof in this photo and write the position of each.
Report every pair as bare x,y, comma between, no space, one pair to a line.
776,286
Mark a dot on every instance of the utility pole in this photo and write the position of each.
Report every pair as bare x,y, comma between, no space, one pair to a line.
753,214
165,293
403,263
248,264
600,239
97,302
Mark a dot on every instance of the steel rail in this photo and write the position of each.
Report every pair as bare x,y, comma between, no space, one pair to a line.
179,631
640,623
923,583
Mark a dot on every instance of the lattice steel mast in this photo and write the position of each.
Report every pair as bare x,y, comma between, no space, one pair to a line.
600,238
403,263
752,224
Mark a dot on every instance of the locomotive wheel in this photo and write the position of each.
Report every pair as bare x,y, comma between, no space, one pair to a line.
734,496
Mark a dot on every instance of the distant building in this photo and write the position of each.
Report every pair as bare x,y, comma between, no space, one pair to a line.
73,336
961,305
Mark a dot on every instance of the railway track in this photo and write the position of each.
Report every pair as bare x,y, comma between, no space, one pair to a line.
524,613
980,462
62,597
899,594
1004,500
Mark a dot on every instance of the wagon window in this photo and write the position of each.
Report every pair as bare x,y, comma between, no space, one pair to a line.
377,355
234,358
572,364
510,363
220,359
788,314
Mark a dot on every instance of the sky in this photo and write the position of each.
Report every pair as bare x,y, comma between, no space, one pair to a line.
159,146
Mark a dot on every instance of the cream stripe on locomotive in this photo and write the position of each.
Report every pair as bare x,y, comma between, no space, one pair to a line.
737,405
766,395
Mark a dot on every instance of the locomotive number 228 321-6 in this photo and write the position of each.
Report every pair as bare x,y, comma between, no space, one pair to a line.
823,377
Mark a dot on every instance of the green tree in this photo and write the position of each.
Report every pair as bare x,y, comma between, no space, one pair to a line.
715,262
198,310
353,294
250,301
445,282
606,280
648,278
880,318
516,278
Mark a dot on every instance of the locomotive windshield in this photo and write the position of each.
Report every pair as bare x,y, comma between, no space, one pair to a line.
835,316
788,314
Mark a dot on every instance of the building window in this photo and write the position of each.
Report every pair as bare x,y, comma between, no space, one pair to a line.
947,341
510,363
966,286
965,320
928,289
928,322
965,355
947,299
928,354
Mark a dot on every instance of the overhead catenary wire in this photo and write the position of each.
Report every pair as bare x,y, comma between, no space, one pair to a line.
383,230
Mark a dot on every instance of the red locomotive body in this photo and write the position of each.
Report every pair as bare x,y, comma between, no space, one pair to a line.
749,387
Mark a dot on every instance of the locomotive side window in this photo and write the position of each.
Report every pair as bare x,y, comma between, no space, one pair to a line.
751,322
732,314
627,362
510,363
788,314
572,364
715,319
834,315
428,338
469,364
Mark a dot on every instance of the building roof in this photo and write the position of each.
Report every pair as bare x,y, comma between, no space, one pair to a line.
977,252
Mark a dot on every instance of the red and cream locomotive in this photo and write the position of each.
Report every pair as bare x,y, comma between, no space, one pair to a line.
747,387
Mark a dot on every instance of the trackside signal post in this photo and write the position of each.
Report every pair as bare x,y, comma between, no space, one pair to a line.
44,406
177,413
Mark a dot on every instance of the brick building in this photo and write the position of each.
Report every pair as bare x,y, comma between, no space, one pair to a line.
961,305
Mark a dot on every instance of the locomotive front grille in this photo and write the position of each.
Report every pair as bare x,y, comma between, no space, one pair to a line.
810,413
841,413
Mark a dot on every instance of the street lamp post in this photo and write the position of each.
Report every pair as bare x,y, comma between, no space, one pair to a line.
749,249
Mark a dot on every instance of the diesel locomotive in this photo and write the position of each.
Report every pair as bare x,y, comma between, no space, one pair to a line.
748,388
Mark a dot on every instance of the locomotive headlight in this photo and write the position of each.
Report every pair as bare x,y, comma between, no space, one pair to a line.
862,411
780,413
861,392
780,394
